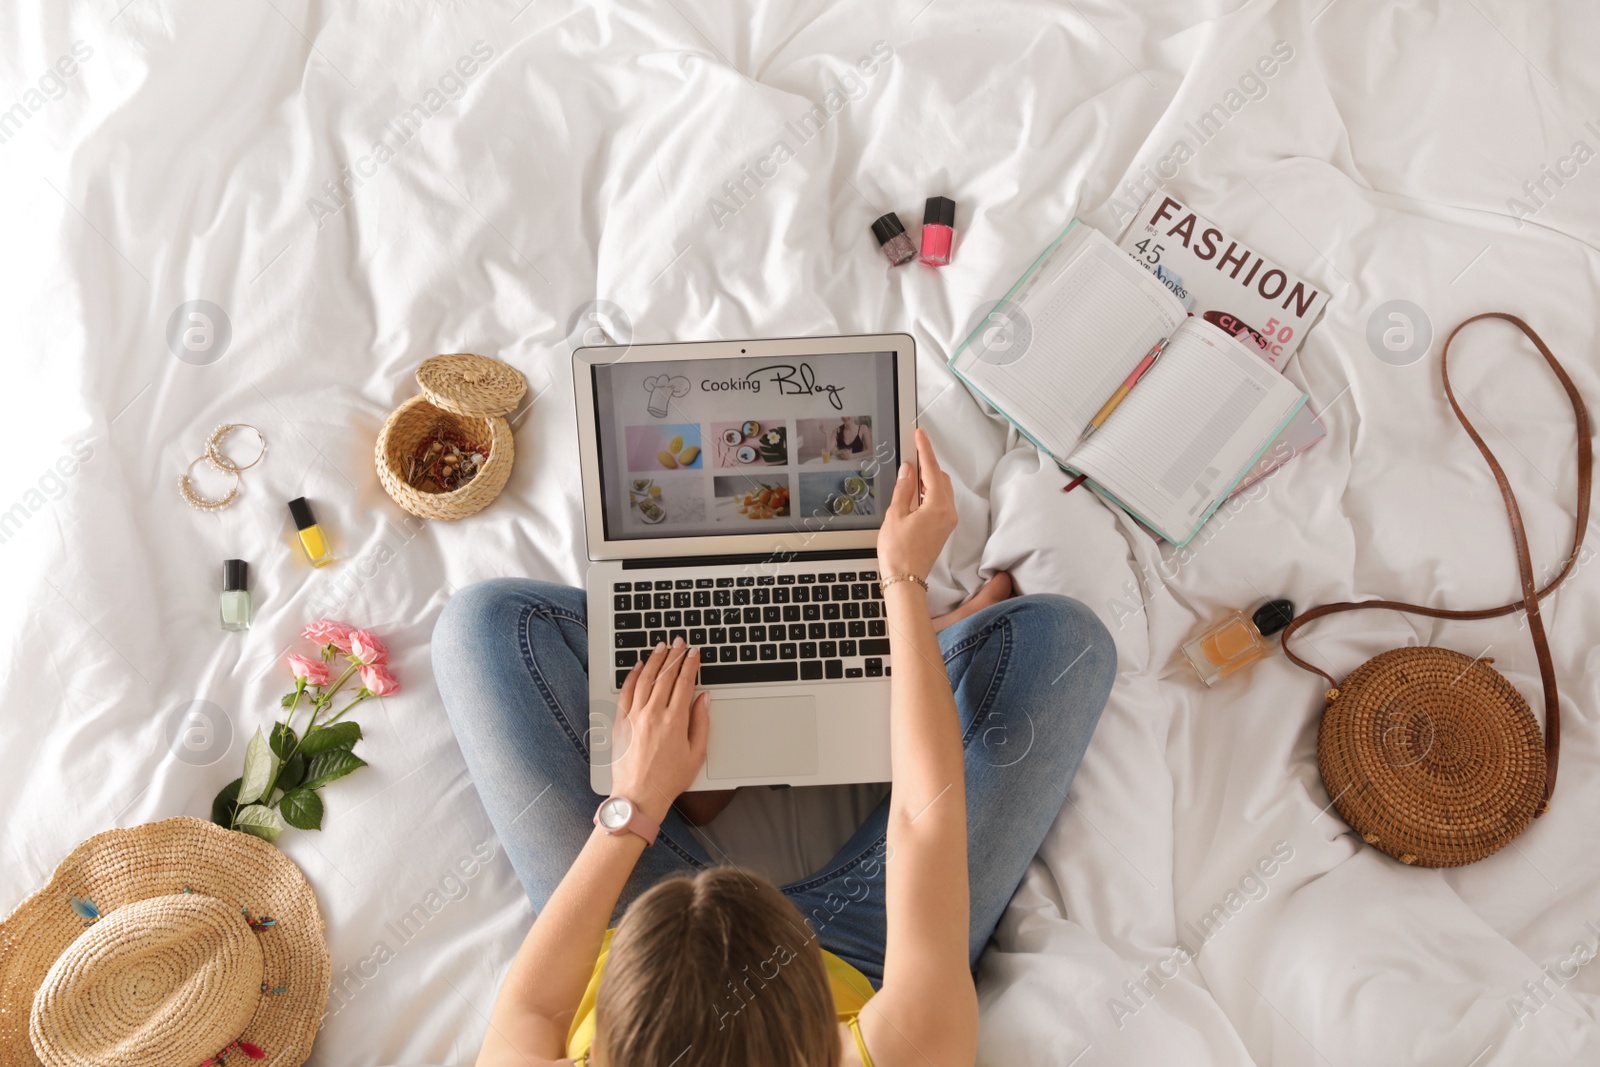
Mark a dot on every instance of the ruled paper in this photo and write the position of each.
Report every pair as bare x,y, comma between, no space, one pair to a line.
1091,320
1188,430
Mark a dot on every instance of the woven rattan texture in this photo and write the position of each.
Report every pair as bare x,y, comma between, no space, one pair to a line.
417,420
119,868
471,385
183,972
1433,757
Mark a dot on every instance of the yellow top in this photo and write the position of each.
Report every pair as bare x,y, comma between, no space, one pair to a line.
851,991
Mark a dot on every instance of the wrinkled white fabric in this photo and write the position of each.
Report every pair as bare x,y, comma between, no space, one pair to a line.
562,153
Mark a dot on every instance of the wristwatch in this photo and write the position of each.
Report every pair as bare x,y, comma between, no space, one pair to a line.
618,815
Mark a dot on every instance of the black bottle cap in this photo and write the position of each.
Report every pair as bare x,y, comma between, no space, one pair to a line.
235,575
303,519
941,211
1273,616
887,228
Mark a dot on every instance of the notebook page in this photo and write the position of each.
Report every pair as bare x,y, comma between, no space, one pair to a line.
1188,430
1091,319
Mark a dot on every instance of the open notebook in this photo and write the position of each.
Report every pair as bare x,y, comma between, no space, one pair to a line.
1069,333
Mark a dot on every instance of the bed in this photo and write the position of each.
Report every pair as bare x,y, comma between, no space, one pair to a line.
356,189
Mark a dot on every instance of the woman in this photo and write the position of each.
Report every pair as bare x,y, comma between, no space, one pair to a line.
852,437
866,962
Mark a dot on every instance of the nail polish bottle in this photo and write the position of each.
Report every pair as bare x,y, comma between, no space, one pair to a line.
938,230
1237,641
892,237
311,536
235,594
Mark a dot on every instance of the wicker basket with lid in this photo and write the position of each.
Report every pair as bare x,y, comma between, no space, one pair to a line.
461,394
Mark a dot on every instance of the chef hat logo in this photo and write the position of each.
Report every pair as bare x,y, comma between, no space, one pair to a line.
662,388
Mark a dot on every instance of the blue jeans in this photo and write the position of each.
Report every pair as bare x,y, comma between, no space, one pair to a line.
1031,676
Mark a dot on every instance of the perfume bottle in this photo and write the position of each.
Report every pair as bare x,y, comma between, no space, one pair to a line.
235,594
1237,641
311,536
891,234
938,230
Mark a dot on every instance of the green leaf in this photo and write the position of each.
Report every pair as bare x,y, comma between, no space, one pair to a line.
283,740
328,766
288,700
259,821
325,738
225,804
293,773
302,809
259,767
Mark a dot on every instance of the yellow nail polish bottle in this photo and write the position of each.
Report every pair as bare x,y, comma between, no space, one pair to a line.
311,537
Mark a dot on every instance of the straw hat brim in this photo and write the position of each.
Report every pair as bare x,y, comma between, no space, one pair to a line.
121,867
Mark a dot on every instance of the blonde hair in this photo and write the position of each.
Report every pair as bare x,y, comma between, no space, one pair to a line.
721,963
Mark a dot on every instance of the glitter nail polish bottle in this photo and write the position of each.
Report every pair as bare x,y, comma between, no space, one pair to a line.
938,230
892,237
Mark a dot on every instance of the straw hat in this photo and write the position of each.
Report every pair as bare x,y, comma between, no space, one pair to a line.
171,944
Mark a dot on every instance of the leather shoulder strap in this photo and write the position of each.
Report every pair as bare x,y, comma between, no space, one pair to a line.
1531,594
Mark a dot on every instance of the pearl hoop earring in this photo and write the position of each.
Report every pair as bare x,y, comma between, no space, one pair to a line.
214,455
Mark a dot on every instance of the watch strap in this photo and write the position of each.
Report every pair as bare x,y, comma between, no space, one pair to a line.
638,822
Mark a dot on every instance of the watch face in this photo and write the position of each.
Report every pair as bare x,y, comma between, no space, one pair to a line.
615,813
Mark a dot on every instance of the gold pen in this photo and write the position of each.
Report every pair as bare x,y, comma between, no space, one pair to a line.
1125,388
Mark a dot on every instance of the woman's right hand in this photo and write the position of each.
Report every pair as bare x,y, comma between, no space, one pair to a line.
916,524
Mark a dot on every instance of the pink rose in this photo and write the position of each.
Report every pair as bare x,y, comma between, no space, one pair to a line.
378,681
314,671
366,649
328,632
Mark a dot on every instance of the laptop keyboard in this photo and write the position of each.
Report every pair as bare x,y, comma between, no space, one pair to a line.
758,628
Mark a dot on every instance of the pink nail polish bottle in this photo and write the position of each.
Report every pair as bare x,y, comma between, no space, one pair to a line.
891,235
938,230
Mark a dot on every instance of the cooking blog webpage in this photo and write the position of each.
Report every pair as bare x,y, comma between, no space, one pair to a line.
748,445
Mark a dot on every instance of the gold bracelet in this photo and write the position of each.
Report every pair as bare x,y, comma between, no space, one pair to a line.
885,583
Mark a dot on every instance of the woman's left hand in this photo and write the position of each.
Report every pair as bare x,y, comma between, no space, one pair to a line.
661,730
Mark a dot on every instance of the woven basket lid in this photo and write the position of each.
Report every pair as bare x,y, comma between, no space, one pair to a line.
172,972
466,384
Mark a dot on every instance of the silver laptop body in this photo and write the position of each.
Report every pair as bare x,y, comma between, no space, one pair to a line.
732,492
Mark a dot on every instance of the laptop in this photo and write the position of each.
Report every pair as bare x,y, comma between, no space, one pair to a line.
732,493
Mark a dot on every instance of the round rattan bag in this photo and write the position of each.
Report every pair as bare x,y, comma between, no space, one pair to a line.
1432,756
446,453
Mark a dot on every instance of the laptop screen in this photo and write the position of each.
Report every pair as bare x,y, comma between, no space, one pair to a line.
747,445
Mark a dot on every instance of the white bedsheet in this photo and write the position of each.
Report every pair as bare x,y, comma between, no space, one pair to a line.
186,158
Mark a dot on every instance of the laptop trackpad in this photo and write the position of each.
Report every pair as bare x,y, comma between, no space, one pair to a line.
762,738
